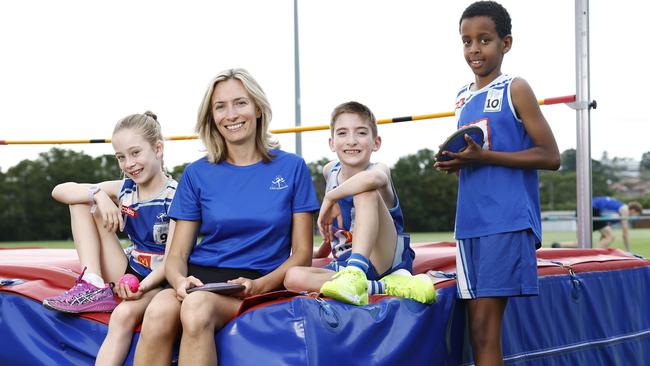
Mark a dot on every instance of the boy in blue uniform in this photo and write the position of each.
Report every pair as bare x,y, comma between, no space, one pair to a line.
361,222
608,206
498,215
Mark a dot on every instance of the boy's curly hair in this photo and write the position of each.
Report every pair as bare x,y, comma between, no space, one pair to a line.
492,10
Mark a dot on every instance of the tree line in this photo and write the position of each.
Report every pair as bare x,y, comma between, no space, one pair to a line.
427,197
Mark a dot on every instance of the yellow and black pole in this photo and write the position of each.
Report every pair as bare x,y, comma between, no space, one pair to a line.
548,101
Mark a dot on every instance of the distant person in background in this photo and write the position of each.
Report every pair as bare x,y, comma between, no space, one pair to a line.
607,206
137,205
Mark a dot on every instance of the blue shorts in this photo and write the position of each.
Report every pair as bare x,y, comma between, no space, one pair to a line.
497,265
403,259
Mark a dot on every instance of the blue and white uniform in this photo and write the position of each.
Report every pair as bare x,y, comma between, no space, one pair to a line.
498,224
605,206
245,211
342,246
147,225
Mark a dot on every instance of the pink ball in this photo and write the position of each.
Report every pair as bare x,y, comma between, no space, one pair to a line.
131,281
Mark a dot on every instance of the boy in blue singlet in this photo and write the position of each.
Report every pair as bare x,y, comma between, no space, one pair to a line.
498,214
361,222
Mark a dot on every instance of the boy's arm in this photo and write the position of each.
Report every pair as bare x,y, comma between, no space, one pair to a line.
323,250
375,178
543,155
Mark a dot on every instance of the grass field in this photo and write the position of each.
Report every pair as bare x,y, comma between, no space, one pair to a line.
640,239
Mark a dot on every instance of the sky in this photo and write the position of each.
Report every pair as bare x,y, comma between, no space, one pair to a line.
70,69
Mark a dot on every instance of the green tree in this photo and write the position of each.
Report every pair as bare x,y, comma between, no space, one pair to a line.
178,170
568,160
70,166
645,162
11,209
30,212
427,196
568,164
30,202
316,171
558,190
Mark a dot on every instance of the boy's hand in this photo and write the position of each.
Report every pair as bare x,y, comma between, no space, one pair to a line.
469,155
323,251
329,211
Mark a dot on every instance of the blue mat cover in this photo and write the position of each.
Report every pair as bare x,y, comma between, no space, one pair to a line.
591,318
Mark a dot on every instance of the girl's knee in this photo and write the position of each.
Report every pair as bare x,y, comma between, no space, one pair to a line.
125,317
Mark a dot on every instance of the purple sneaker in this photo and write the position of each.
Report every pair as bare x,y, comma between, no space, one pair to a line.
83,297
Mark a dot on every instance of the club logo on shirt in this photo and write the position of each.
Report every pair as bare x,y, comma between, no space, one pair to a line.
278,183
493,100
162,217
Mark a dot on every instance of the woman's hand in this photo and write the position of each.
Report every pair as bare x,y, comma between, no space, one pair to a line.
186,283
251,287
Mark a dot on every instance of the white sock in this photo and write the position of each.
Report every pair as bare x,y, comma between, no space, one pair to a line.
93,278
402,272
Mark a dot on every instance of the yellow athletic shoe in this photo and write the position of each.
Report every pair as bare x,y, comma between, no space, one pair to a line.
419,288
348,285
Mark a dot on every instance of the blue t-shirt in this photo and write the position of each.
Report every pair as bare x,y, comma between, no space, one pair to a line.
495,199
245,211
147,225
606,204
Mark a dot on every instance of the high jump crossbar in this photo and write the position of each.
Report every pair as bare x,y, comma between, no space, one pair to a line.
595,218
568,99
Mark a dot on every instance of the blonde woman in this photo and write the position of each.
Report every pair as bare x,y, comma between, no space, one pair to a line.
251,203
